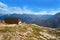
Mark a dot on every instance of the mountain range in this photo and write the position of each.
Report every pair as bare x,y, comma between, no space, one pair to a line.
42,20
28,18
53,21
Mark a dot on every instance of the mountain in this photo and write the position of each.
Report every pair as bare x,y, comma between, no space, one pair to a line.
28,18
53,22
27,32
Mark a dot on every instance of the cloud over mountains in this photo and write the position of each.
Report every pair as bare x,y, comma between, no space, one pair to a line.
5,9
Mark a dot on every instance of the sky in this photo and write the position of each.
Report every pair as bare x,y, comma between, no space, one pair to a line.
38,7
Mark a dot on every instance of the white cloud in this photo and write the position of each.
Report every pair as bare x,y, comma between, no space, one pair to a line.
8,10
3,5
15,10
4,8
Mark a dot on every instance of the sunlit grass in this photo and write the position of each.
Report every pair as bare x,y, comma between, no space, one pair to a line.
32,31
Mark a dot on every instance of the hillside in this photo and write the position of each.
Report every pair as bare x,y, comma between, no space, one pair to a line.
53,21
27,32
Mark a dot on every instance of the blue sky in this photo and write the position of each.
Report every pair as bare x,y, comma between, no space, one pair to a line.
30,6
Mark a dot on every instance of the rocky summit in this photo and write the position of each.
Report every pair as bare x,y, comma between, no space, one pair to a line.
28,32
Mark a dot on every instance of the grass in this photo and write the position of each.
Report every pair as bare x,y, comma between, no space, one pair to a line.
7,29
23,29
